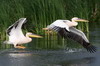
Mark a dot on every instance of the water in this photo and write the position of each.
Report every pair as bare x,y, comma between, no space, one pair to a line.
61,56
15,57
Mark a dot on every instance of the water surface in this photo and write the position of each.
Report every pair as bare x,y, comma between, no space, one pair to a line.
70,54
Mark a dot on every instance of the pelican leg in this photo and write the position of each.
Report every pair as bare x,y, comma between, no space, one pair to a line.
45,28
20,46
49,32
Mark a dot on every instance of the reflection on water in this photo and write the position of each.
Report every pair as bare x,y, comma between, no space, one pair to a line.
16,57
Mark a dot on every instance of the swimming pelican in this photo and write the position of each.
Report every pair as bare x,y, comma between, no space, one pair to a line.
16,36
66,29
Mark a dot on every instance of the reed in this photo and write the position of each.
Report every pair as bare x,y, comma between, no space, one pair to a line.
41,13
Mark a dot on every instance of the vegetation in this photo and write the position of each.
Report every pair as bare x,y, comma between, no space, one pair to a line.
40,13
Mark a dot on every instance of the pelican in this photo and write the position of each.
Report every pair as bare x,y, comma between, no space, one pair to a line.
16,36
66,29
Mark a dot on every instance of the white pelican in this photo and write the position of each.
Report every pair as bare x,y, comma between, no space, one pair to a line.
66,29
16,36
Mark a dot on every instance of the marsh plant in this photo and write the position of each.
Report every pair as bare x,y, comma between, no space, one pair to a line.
40,13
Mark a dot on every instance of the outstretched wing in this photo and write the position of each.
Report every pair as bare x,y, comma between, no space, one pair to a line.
75,35
16,26
78,32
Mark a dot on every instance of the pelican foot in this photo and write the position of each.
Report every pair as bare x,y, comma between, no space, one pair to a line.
20,47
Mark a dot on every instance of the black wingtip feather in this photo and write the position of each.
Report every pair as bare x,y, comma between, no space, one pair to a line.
91,49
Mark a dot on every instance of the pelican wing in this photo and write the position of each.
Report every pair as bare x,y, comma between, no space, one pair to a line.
59,23
75,35
78,32
16,26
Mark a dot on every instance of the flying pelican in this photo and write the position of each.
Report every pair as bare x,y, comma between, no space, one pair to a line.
66,29
16,36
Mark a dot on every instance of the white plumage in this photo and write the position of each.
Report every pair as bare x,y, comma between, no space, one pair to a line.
60,23
16,36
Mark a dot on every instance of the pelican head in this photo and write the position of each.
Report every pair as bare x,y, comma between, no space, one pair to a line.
29,34
76,19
